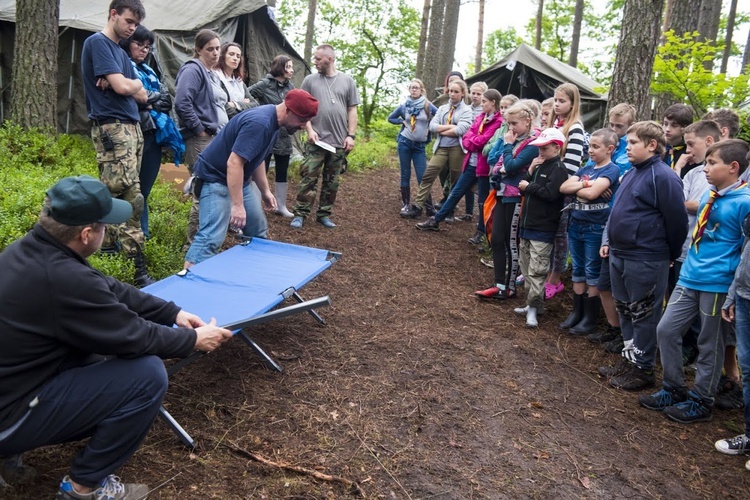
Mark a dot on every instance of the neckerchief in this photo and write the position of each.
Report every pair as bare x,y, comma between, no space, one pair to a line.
700,225
413,108
487,118
670,153
450,114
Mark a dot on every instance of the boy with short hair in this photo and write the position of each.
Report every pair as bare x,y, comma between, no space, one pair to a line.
728,120
621,117
706,275
646,229
676,118
539,218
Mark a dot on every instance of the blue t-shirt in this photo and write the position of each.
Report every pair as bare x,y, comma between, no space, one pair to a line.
100,57
251,135
590,172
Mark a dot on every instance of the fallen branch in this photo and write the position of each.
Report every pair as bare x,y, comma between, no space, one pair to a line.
354,488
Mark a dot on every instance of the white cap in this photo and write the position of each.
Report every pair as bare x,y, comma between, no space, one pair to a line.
547,136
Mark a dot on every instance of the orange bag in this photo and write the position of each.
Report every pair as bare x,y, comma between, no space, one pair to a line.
489,208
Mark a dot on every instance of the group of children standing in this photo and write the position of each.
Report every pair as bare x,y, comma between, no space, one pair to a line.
654,220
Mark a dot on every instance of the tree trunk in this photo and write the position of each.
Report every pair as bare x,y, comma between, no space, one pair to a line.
450,33
634,62
538,34
312,6
423,40
667,20
34,73
746,54
480,39
577,20
709,17
432,51
728,38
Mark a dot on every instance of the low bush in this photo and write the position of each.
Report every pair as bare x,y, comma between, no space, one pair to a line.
33,161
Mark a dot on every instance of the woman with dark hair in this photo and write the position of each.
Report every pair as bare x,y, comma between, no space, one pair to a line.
157,127
200,105
231,72
271,90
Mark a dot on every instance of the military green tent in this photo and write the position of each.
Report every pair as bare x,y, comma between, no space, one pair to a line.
175,24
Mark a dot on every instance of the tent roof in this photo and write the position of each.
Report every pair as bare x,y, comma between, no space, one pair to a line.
545,64
175,15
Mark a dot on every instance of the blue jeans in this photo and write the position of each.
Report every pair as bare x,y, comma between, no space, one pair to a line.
742,328
214,215
408,152
114,402
638,287
584,241
464,184
150,165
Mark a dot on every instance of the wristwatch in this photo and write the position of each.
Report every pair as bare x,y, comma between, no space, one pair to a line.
352,136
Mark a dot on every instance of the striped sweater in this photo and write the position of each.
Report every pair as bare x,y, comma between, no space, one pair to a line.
574,149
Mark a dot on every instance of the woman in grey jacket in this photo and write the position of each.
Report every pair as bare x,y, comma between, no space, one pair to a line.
271,90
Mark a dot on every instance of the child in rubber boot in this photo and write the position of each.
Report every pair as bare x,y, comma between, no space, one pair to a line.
702,287
593,187
540,216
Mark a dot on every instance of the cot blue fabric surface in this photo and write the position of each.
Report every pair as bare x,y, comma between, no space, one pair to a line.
244,281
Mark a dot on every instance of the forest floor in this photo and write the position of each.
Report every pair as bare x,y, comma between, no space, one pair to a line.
415,389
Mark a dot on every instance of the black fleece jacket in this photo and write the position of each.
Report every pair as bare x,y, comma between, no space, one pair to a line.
542,198
56,311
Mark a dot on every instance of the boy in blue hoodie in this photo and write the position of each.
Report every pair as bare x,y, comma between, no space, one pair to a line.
706,275
646,229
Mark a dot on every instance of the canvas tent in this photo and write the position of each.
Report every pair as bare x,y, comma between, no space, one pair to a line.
531,74
175,24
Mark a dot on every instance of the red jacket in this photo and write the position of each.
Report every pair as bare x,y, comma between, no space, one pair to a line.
474,140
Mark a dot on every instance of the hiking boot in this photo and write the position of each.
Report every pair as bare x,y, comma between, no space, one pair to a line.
614,370
660,400
694,409
465,217
15,472
487,262
477,238
576,314
738,445
430,210
297,223
450,218
326,222
429,225
111,488
496,293
610,334
413,212
729,395
141,277
614,346
633,379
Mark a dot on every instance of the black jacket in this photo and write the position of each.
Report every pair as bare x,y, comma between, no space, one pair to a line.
271,91
542,199
56,310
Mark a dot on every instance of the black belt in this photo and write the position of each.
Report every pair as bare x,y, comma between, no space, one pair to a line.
107,121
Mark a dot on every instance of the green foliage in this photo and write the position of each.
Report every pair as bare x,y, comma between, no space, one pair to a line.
33,161
498,44
679,73
377,151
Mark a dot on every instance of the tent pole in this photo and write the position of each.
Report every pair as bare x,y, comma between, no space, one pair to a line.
70,83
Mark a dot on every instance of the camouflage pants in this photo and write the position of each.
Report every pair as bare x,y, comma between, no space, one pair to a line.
119,170
318,160
534,260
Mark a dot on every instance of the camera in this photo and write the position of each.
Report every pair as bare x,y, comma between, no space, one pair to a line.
107,143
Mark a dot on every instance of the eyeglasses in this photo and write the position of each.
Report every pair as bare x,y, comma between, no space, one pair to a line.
415,87
143,46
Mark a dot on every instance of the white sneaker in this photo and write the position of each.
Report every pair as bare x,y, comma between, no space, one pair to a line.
531,317
521,310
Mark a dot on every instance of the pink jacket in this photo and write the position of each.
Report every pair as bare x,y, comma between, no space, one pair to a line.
473,141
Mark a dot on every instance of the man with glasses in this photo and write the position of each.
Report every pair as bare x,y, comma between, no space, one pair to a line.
113,92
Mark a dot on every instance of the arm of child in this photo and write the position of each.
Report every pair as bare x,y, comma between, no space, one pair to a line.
572,185
524,158
551,190
596,188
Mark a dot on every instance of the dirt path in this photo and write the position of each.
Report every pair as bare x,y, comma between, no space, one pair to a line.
416,389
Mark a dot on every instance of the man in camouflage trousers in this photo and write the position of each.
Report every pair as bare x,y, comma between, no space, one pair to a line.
113,92
334,127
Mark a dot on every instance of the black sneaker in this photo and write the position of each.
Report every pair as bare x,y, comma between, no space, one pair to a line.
614,370
477,238
633,379
610,334
691,410
465,217
738,445
614,346
429,225
660,400
729,395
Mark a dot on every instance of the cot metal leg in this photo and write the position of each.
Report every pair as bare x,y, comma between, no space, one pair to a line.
177,428
260,352
312,312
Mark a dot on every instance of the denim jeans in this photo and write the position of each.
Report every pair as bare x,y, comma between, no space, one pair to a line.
638,287
463,185
742,327
214,215
114,402
584,241
411,152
